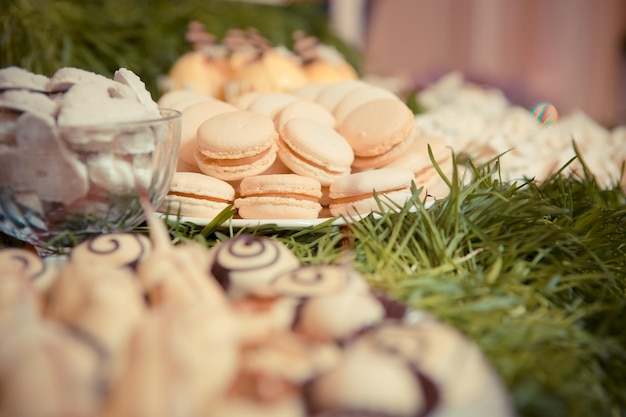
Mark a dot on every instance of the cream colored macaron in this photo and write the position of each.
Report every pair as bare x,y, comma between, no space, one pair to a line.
378,131
270,103
236,145
279,196
417,159
358,97
353,195
191,119
307,109
197,195
313,149
333,93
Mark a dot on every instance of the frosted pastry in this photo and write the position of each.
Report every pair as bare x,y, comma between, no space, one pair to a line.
176,276
115,250
247,264
321,62
16,262
335,301
397,369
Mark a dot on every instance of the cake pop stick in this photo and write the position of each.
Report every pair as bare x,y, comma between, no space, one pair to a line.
176,275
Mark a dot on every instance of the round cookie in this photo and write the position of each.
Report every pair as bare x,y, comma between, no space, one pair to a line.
279,196
197,195
417,159
171,97
315,150
358,97
307,109
310,91
235,145
191,119
246,264
353,195
333,93
378,132
270,103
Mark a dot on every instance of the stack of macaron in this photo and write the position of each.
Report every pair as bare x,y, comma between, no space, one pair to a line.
349,139
134,326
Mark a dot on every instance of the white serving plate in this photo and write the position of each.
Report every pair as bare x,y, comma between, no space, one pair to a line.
241,223
238,223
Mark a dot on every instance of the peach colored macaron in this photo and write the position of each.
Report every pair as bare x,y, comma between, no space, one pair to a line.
353,195
358,97
191,119
307,109
333,93
197,195
279,196
417,159
315,150
236,144
378,132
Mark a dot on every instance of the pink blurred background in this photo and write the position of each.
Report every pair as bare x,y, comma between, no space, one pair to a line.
569,52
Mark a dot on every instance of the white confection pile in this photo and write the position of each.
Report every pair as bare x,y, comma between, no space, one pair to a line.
481,123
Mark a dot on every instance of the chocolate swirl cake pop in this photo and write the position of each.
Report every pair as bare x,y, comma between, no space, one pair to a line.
246,264
116,250
335,301
450,368
318,280
368,382
176,275
21,262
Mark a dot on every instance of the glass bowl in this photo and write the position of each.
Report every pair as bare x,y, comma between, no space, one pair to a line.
62,185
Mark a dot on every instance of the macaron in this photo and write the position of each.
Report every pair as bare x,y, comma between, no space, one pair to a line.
269,103
307,109
313,149
417,159
358,97
191,119
310,91
170,98
197,195
333,93
378,132
279,196
235,145
353,195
